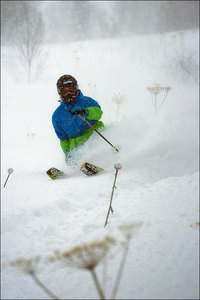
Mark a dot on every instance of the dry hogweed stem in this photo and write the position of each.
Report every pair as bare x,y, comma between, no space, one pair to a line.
10,171
28,266
128,230
158,89
117,167
43,287
118,99
121,267
87,256
97,284
104,271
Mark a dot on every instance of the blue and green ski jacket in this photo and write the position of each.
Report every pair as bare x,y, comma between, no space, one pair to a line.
71,129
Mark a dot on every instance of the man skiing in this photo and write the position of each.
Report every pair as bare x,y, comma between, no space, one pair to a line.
68,118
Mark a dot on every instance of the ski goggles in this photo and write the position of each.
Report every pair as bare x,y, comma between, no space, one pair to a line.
66,91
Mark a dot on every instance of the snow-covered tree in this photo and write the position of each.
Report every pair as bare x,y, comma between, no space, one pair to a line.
25,32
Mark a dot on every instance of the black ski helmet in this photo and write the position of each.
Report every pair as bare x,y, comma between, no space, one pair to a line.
66,81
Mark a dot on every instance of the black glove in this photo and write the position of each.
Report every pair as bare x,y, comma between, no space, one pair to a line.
77,110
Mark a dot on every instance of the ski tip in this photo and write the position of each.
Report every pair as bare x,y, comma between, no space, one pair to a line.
90,169
54,173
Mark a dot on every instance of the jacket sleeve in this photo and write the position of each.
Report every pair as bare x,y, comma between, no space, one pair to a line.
94,113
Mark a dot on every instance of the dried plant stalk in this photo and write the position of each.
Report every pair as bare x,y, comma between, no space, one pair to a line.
117,167
121,267
128,231
157,89
118,99
10,171
97,284
87,256
43,287
104,271
28,266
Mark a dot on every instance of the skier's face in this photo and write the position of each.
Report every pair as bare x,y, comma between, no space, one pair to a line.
68,94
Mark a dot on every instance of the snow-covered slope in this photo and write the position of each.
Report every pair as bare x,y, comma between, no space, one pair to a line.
157,185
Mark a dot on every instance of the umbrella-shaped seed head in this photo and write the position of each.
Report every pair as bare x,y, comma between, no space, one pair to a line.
129,229
86,256
27,265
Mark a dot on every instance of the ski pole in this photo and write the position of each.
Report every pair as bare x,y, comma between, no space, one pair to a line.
98,133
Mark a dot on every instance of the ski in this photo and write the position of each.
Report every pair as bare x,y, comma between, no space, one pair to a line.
90,169
54,173
87,168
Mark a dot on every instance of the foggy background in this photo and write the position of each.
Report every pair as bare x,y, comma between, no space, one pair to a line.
28,28
67,21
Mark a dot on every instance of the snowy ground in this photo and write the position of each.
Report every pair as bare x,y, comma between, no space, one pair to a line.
157,185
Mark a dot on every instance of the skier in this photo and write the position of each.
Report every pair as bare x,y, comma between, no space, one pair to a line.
67,120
